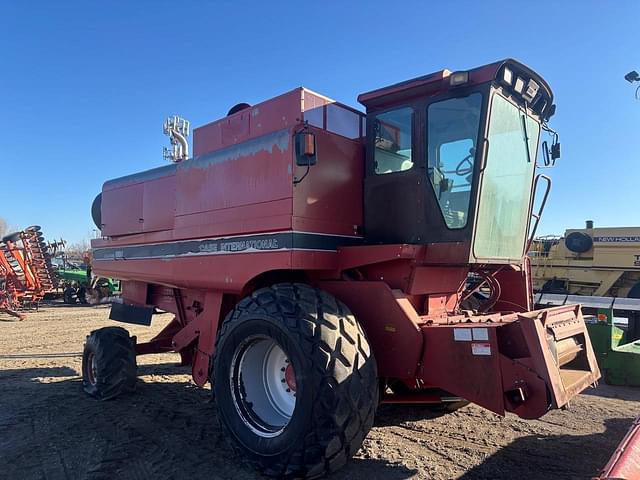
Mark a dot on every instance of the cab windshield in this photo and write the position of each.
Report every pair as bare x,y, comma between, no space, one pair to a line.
505,194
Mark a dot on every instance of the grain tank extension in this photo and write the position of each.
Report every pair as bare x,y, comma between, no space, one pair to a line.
320,260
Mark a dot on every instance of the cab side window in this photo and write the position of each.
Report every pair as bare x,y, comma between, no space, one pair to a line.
392,141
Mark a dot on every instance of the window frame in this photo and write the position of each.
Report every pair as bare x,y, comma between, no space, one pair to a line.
494,90
485,95
414,140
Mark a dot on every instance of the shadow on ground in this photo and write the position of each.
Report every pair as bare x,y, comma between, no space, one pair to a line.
165,430
168,430
557,457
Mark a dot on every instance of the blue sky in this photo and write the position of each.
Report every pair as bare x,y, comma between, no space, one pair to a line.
85,86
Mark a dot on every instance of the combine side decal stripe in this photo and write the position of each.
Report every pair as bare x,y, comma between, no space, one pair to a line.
268,242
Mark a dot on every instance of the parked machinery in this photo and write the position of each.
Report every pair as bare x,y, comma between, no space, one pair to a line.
26,266
317,263
75,281
588,261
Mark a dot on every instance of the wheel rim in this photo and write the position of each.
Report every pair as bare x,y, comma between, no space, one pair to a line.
92,368
263,386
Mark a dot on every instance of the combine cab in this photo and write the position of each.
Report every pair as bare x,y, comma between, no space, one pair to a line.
319,260
25,264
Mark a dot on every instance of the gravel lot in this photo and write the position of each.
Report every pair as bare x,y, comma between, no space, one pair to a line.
49,429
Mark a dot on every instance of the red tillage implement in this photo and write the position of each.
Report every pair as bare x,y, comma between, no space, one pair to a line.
319,261
25,268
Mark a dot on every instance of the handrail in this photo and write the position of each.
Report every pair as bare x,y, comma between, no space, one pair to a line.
542,205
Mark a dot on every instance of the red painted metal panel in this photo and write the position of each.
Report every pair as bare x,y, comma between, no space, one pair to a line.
517,375
135,293
205,328
351,257
390,322
509,365
321,262
516,289
456,253
329,199
536,326
245,174
428,84
467,368
228,273
625,462
429,280
159,204
122,210
261,217
275,114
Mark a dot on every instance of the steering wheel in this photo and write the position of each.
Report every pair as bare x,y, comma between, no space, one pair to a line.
461,169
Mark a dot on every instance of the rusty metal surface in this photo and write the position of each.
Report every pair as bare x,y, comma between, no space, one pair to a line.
564,383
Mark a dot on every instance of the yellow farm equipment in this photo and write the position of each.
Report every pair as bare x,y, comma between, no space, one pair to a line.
589,261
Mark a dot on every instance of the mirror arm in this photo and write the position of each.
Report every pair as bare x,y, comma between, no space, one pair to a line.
296,180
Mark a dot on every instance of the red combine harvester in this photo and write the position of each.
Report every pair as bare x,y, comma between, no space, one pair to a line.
25,267
319,261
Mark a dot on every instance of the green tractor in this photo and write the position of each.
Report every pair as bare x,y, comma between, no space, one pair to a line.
77,285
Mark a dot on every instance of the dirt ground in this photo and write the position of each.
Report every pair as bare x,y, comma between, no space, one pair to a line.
49,429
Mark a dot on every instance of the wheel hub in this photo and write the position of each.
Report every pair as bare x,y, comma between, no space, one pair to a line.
92,370
263,386
290,377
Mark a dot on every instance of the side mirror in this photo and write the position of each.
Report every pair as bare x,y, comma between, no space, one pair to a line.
305,143
550,155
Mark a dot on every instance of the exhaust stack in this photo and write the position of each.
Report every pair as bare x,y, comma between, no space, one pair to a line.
177,129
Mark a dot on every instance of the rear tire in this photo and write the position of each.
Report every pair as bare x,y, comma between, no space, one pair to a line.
109,363
333,381
69,296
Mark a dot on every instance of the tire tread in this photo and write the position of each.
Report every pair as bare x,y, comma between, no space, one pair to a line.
346,396
116,358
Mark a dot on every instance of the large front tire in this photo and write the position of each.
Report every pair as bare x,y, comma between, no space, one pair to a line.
295,381
109,363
